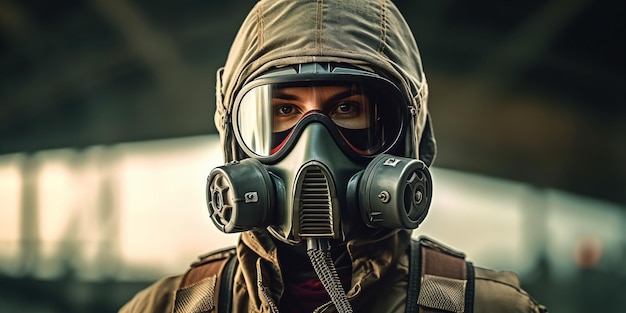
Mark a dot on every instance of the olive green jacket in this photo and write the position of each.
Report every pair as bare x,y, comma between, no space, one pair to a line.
379,281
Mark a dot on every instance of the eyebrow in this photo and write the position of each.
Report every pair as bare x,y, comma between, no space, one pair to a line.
280,94
284,96
345,94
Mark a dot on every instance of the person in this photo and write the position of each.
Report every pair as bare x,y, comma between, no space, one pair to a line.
323,119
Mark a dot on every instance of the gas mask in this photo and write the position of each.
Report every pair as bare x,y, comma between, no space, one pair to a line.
323,148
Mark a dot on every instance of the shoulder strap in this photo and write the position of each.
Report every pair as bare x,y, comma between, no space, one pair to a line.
206,286
439,279
226,287
413,288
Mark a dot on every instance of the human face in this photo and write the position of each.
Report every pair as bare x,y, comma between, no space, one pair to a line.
345,105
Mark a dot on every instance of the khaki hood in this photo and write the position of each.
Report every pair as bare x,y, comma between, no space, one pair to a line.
371,34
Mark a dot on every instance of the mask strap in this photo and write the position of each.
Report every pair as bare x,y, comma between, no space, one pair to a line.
222,120
427,144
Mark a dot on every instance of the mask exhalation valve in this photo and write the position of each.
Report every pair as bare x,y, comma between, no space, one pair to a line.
394,192
240,196
316,211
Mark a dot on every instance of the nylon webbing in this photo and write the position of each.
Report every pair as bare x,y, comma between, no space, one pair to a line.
443,279
225,292
413,289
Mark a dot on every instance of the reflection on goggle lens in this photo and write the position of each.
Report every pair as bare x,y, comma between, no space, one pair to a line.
366,119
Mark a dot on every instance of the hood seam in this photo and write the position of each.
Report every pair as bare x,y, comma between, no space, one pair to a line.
383,26
260,25
319,26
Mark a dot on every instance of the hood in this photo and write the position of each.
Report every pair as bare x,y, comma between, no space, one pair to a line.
371,34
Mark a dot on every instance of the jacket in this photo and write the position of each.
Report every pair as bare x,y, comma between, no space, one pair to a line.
380,269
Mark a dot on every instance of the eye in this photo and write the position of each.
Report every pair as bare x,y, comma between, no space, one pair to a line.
346,108
284,109
351,112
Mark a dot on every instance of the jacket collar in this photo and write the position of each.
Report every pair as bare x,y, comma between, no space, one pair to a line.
370,258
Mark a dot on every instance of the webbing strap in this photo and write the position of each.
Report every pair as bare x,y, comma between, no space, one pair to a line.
443,278
413,289
226,288
439,279
469,288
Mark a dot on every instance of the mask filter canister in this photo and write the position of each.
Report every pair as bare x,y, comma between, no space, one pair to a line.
240,196
393,192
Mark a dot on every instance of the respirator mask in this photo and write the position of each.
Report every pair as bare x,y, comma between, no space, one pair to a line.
320,160
322,148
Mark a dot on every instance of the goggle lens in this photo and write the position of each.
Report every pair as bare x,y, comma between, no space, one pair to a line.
368,119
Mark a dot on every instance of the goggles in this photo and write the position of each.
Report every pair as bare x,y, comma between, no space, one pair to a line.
364,113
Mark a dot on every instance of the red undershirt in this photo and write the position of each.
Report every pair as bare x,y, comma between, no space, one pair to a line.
306,295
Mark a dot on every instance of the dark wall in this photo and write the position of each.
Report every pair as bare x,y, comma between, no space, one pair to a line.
525,90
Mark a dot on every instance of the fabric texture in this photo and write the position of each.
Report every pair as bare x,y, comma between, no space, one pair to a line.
442,293
158,297
379,281
197,298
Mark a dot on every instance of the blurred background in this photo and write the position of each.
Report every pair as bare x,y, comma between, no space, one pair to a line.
107,135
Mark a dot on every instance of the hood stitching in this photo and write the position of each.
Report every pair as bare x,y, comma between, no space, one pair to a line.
383,26
260,25
318,26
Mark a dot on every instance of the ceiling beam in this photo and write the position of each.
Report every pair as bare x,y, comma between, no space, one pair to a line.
150,45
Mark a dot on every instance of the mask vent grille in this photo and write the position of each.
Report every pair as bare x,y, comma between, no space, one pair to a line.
315,214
